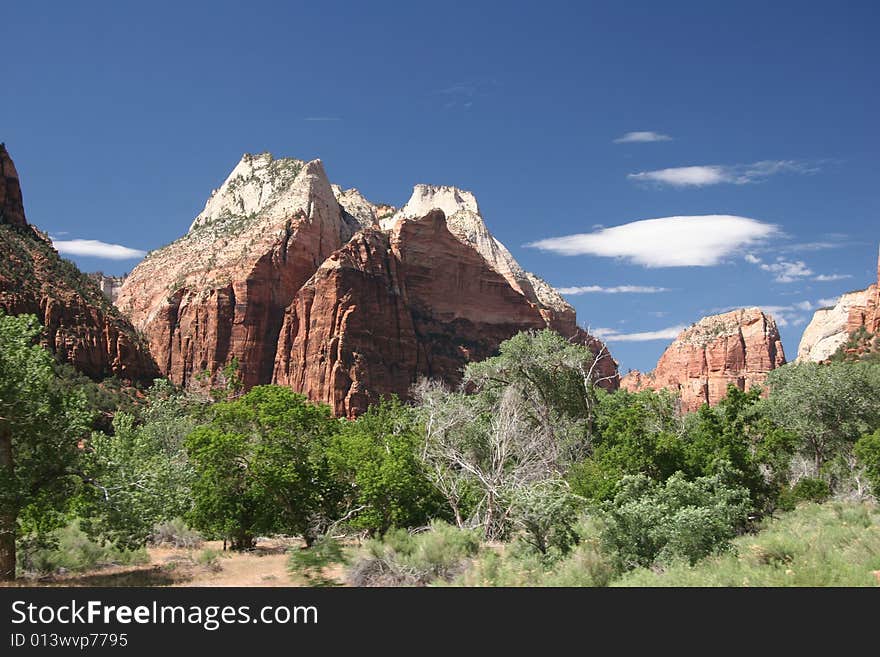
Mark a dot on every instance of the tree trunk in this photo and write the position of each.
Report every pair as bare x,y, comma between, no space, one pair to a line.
7,513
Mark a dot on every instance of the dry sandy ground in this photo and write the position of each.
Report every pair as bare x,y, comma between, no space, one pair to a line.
264,566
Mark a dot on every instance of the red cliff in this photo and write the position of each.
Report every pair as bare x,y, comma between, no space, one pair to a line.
297,280
738,347
81,326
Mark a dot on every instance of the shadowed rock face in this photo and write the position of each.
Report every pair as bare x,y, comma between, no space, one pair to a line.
831,327
738,347
11,205
298,280
82,327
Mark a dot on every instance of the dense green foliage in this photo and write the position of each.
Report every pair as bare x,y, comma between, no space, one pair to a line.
41,425
376,459
542,477
833,544
261,467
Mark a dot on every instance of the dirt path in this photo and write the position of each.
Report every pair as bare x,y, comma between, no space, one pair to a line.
207,565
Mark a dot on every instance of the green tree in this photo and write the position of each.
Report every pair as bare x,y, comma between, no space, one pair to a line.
261,466
143,468
828,407
41,426
377,458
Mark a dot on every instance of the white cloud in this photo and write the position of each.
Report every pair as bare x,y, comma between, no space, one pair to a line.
612,335
617,289
826,303
683,176
752,259
97,249
788,272
688,241
713,174
642,137
825,278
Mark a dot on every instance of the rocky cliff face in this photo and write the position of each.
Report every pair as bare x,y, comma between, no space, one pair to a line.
109,285
313,286
220,291
831,327
738,347
81,326
11,204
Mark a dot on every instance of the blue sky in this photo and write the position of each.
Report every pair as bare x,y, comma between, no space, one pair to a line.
121,119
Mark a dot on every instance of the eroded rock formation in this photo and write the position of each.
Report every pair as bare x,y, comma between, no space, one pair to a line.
738,347
831,327
313,286
82,327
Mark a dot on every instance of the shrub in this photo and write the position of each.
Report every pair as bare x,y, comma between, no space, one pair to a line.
867,451
402,559
71,549
649,523
807,489
175,533
546,512
833,544
309,562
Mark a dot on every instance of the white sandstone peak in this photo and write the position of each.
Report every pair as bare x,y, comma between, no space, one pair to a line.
464,220
251,185
274,188
828,328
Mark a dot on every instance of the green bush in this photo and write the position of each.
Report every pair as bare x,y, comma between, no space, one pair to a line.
71,549
833,544
402,559
867,451
648,522
309,562
518,564
807,489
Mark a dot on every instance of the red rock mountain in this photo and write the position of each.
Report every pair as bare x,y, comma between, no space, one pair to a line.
831,327
81,326
738,347
314,287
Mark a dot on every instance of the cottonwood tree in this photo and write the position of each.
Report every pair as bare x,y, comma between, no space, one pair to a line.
828,407
261,466
487,451
41,426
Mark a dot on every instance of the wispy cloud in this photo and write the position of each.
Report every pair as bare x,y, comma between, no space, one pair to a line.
826,303
640,137
464,94
322,118
787,272
826,278
617,289
714,174
612,335
97,249
687,241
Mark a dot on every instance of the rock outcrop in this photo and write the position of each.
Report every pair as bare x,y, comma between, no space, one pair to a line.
312,286
81,326
831,327
738,347
109,285
220,291
11,204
